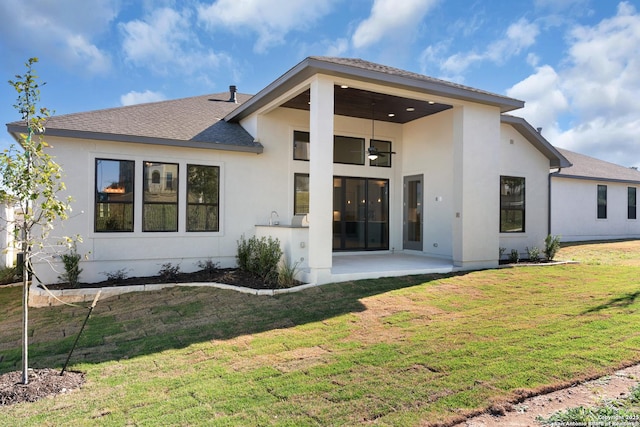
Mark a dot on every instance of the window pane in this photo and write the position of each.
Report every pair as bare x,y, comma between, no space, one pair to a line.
631,203
512,204
384,156
301,194
203,184
300,145
114,195
602,201
160,197
348,150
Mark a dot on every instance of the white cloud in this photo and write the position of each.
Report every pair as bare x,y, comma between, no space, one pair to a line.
268,22
518,36
53,30
545,100
594,91
165,41
390,17
134,97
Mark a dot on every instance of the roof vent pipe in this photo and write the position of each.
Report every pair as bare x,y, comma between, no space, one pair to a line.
539,130
232,93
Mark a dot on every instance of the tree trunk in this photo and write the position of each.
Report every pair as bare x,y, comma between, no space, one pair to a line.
25,311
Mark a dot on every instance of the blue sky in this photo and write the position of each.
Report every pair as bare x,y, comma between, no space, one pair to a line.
576,63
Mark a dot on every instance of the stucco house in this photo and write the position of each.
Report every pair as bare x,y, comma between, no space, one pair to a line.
359,169
594,200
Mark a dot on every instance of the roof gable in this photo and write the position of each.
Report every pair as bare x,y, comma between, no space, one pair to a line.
557,160
358,69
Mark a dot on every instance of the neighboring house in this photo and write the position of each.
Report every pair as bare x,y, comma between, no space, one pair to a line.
373,159
8,250
594,200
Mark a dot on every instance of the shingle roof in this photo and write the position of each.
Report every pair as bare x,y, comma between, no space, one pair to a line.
195,121
585,167
358,69
391,71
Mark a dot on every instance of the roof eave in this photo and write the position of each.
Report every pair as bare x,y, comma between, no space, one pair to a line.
557,160
311,66
257,148
594,178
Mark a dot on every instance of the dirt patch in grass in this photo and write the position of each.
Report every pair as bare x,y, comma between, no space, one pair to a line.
42,383
586,394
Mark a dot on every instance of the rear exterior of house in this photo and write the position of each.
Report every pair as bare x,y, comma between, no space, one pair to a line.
594,200
337,157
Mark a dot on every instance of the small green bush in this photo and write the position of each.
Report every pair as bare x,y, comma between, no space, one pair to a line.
208,266
260,257
551,246
72,270
9,275
117,276
533,254
501,252
169,272
514,256
287,274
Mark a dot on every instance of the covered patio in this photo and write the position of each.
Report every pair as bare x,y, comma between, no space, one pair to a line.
346,267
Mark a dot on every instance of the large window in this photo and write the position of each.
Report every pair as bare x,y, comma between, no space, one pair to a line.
114,195
602,201
160,197
203,198
360,214
301,194
348,150
300,145
512,207
631,202
383,150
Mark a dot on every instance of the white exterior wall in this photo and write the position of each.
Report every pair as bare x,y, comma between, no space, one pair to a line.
9,251
428,151
250,188
574,203
476,144
519,158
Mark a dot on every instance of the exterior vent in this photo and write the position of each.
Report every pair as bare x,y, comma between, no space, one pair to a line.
232,93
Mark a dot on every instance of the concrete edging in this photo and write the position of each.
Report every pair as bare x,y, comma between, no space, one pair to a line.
40,297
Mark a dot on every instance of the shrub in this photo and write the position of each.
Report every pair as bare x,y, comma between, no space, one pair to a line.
169,272
287,274
260,257
501,252
533,254
117,276
551,246
9,275
514,256
208,266
72,270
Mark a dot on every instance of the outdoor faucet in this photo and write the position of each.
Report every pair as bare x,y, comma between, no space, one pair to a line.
271,221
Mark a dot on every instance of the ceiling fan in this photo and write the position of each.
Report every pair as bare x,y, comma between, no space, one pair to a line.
374,153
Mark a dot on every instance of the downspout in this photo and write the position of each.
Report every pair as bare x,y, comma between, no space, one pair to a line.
549,201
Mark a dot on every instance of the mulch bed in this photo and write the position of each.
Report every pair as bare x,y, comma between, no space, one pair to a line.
229,276
42,383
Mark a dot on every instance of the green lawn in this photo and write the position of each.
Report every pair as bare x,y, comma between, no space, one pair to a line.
401,351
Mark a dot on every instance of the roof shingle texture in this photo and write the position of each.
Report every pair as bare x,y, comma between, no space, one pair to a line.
372,66
198,119
592,168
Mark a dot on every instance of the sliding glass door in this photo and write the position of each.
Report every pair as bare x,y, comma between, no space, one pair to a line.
360,214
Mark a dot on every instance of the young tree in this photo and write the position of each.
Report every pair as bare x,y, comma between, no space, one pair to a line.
32,180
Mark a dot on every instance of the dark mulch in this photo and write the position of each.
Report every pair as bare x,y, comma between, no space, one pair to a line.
42,383
229,276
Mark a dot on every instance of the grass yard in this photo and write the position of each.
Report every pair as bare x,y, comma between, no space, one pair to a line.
419,350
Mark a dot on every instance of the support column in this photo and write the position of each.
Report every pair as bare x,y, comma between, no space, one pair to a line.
476,186
321,179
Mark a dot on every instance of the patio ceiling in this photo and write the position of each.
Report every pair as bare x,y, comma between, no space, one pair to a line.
364,104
